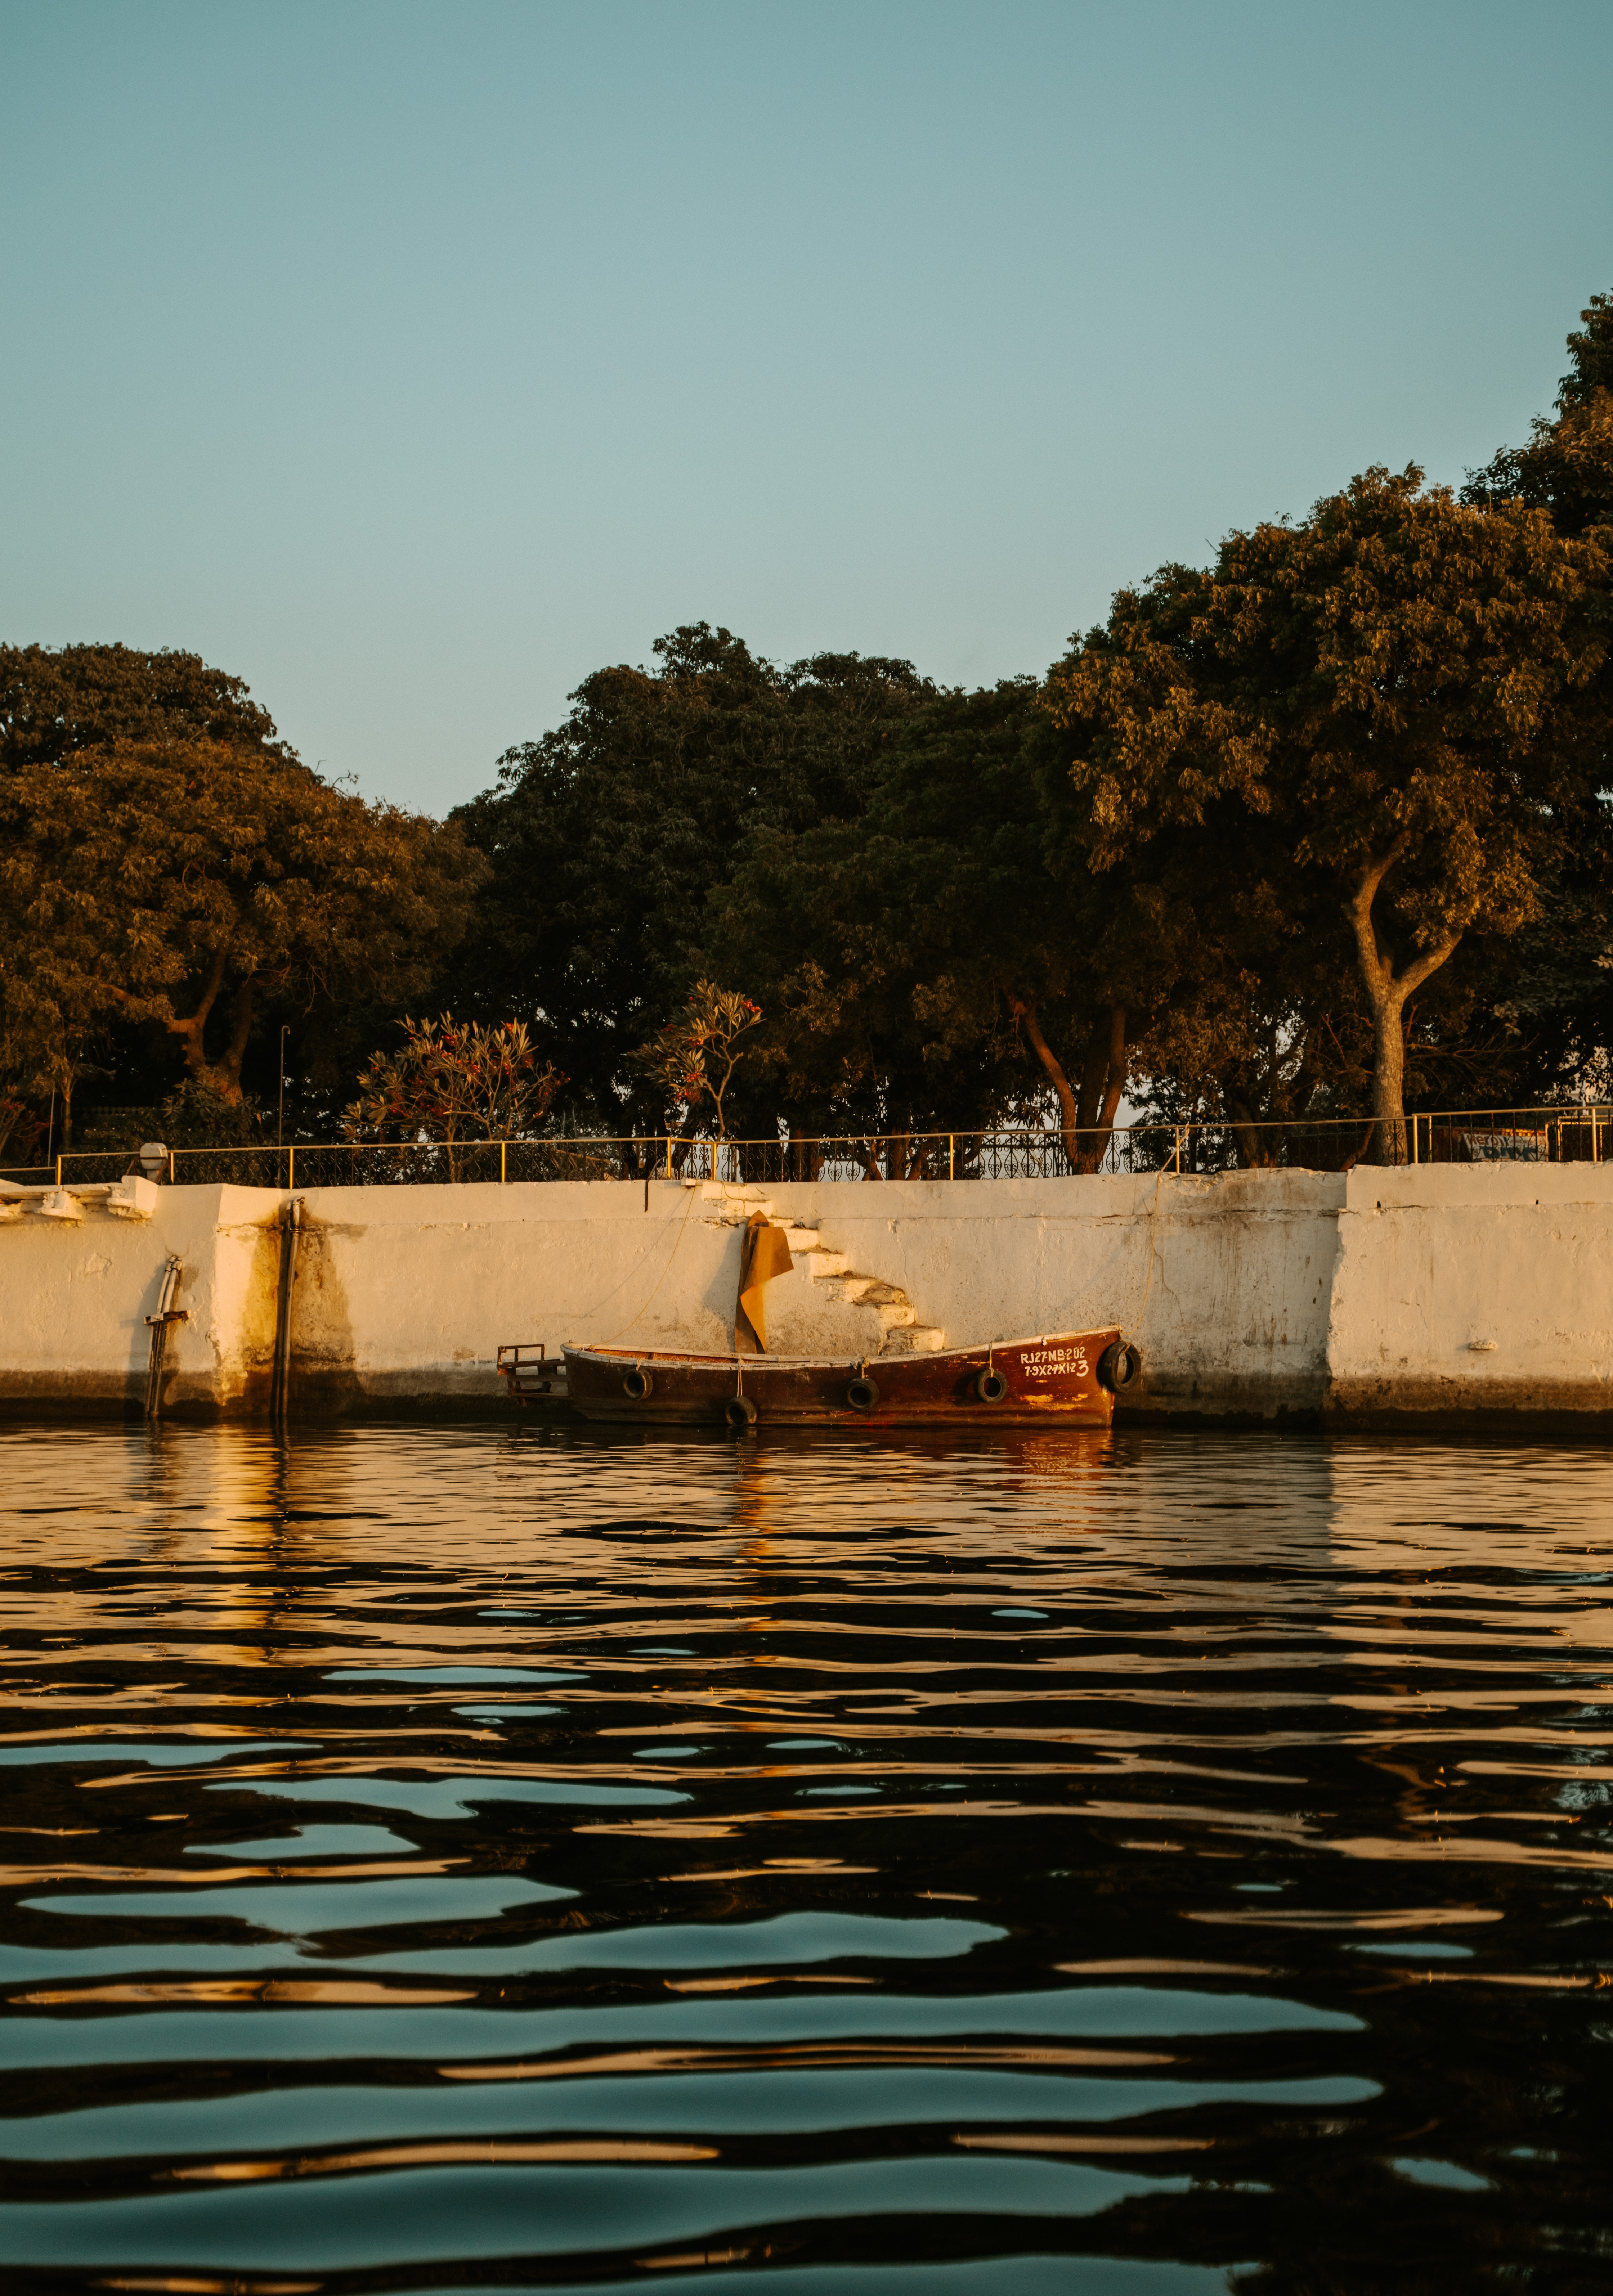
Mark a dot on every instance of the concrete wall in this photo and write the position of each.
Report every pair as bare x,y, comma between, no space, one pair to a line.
1474,1294
1367,1298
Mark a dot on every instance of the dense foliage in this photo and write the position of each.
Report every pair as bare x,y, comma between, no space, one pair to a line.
1322,828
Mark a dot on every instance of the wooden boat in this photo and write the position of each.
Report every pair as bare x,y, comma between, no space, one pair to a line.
1071,1376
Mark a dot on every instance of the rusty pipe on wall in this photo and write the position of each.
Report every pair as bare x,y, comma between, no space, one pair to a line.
291,1222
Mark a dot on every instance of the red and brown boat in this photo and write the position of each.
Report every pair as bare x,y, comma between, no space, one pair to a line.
1070,1376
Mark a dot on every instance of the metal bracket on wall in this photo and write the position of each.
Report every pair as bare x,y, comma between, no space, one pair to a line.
157,1325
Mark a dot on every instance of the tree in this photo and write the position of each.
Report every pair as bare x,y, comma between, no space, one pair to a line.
1558,988
453,1080
174,886
952,961
1567,468
1386,703
56,701
607,836
693,1059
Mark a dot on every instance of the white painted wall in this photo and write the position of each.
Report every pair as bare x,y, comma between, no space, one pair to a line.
74,1297
1473,1287
1260,1293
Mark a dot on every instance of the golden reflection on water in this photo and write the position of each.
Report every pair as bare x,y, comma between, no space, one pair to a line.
454,1731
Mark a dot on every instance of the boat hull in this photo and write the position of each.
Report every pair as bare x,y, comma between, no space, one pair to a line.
1040,1379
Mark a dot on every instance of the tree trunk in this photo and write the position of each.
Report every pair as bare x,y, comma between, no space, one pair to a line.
1109,1030
1386,993
1241,1122
1088,1123
221,1077
1388,1078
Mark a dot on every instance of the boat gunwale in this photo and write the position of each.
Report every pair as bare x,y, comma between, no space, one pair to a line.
614,1353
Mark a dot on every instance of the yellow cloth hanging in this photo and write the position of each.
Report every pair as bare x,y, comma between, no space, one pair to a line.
763,1254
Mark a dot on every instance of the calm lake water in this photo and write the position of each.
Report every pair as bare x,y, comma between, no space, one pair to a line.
1133,1866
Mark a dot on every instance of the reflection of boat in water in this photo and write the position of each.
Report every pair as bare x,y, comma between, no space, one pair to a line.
1071,1376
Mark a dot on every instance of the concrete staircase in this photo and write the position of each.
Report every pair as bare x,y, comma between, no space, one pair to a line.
883,1320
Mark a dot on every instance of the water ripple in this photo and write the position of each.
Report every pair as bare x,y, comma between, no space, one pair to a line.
1136,1864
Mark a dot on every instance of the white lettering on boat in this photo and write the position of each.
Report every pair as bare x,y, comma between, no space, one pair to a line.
1053,1363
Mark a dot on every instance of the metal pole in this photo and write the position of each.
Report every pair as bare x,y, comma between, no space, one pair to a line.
951,1155
280,1388
58,1171
171,1168
291,1166
504,1161
1414,1139
166,1314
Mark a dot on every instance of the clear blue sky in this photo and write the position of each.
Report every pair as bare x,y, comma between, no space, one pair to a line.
412,361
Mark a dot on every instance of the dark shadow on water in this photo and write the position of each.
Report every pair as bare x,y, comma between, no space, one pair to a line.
1136,1863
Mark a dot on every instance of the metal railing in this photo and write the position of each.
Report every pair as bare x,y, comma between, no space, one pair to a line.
1579,1134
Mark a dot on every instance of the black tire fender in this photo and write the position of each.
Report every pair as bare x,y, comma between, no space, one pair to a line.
1120,1366
990,1386
638,1384
863,1393
740,1413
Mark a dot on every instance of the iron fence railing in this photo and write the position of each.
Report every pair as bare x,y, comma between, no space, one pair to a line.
1579,1134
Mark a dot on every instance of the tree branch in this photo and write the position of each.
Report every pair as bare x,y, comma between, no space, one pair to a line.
1024,1009
1375,966
235,1051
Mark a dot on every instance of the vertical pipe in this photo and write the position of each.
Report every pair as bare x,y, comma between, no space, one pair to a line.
291,1166
171,1168
290,1220
504,1163
159,1328
58,1171
1414,1125
951,1155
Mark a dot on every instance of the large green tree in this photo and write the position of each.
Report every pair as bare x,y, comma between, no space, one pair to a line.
879,1017
1565,469
952,961
607,836
1391,708
1555,990
175,885
57,701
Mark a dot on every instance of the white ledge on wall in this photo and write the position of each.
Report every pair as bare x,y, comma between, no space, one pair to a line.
131,1199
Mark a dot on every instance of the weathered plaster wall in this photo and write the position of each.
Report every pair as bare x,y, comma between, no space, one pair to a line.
74,1297
405,1292
1224,1283
1254,1295
1473,1292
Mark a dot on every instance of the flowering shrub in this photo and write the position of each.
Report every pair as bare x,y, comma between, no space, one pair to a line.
693,1058
453,1081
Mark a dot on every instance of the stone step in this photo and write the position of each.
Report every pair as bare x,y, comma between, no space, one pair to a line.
914,1339
802,1240
869,1291
847,1284
822,1264
896,1314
